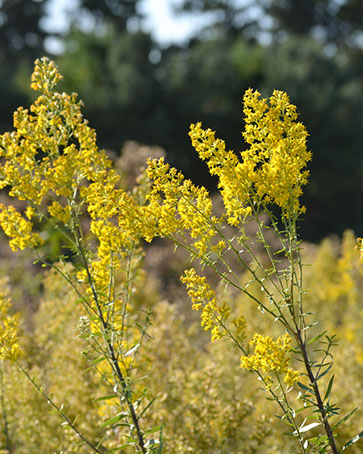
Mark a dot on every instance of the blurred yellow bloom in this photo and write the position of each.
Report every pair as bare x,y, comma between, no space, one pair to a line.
9,347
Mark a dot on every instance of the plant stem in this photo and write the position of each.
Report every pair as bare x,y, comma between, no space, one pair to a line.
58,409
319,400
109,345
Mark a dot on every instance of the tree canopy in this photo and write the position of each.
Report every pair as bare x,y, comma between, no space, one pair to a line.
136,89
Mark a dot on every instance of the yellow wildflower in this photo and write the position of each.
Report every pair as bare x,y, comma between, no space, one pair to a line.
271,170
18,229
176,206
270,356
278,149
56,210
204,298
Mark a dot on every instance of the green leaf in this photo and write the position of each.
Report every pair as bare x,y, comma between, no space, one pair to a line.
324,373
152,430
147,406
305,388
353,440
110,396
310,326
316,338
114,419
98,360
328,390
319,440
346,417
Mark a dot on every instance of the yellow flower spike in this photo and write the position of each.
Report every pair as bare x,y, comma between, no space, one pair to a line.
291,377
204,298
45,76
176,205
272,169
240,325
271,356
29,212
278,149
57,211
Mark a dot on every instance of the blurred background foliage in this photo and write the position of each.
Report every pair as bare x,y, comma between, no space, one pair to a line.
136,88
204,398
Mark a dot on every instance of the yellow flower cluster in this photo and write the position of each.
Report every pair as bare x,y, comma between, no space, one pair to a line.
49,156
117,223
271,170
234,182
52,162
9,347
271,356
204,298
18,229
277,148
45,76
176,206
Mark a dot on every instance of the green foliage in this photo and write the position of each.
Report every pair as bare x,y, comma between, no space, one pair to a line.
113,74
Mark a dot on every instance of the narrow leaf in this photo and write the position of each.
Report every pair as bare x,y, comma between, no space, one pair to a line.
114,419
152,430
110,396
353,440
309,426
324,373
346,417
316,338
305,387
328,391
132,350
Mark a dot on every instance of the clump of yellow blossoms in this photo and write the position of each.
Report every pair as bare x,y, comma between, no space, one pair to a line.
9,347
51,162
204,298
47,158
271,356
176,205
271,170
18,228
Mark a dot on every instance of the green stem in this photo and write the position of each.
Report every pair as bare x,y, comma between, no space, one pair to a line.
319,400
58,409
110,347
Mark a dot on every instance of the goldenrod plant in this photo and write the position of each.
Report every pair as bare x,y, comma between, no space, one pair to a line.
262,184
249,283
52,164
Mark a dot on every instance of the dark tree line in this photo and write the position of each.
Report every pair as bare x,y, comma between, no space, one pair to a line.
134,89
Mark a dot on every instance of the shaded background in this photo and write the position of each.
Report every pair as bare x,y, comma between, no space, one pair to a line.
138,88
